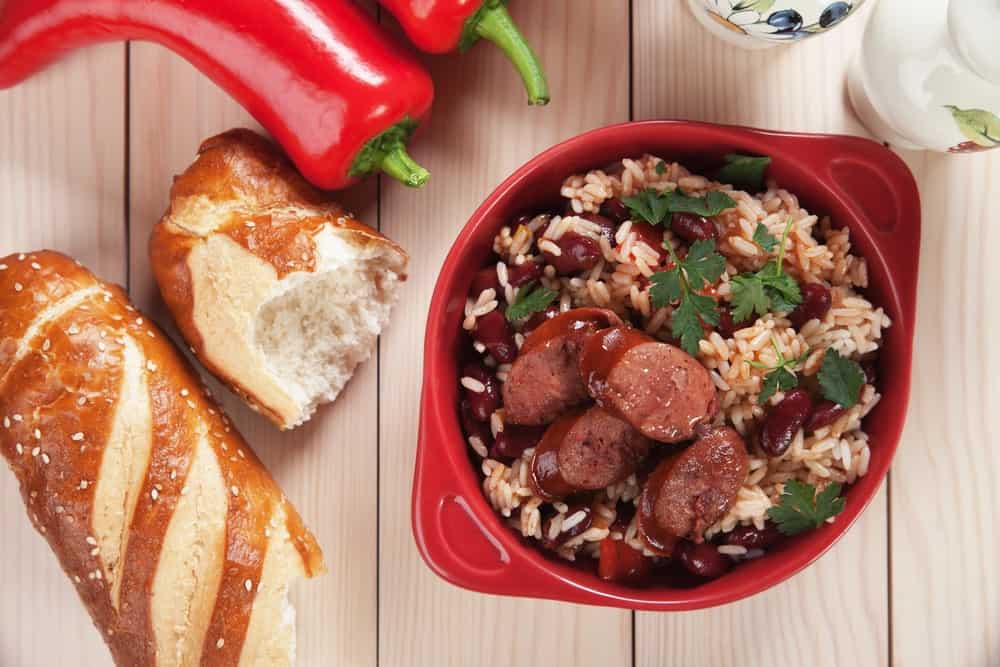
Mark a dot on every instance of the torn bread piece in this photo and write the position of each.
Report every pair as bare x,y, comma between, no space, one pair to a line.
277,289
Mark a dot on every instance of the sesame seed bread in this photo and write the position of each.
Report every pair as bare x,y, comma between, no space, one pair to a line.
278,291
180,544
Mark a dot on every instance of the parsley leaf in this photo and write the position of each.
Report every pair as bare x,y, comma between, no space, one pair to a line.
782,376
744,172
661,167
763,238
767,289
530,300
841,379
800,508
650,205
702,266
654,207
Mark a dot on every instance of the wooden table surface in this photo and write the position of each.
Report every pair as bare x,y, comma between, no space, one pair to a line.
87,152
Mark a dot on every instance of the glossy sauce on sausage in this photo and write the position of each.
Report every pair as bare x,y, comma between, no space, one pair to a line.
693,489
661,390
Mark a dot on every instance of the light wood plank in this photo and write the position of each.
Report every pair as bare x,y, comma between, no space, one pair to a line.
62,161
327,467
946,600
480,131
836,612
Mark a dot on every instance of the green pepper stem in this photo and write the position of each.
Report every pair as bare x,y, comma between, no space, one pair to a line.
496,24
398,164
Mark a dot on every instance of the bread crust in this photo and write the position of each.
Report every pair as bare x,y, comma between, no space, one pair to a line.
67,337
244,206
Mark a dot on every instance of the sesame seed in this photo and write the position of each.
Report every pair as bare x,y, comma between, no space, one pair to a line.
21,257
139,321
151,366
82,400
101,347
184,392
17,418
36,451
95,551
60,509
267,532
76,578
3,267
235,491
111,633
130,308
78,436
184,490
250,223
150,333
173,474
83,484
154,494
248,585
190,404
98,574
37,433
91,541
36,266
6,422
18,287
220,643
240,452
73,330
45,459
19,448
42,529
46,345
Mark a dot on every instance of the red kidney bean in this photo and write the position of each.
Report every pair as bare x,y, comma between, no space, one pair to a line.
616,210
870,369
751,538
622,564
824,414
511,442
608,226
784,420
486,402
691,227
579,253
494,331
651,236
566,535
614,168
623,516
702,559
522,274
485,279
727,327
535,320
472,426
815,304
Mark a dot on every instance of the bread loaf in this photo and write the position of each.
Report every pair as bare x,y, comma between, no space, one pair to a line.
278,290
178,541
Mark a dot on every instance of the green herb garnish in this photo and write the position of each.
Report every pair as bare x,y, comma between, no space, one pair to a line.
661,168
655,207
763,238
841,379
781,376
800,508
767,289
529,301
702,266
744,172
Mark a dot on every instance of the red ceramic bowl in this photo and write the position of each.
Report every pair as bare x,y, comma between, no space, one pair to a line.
857,182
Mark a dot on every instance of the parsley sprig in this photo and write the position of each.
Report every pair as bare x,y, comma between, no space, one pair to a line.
782,376
768,289
657,207
744,172
841,379
702,266
800,508
530,300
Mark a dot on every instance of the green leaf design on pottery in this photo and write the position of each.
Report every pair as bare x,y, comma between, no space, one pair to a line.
978,125
759,6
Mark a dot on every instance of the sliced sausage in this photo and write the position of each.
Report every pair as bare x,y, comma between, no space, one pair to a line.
693,489
544,379
658,388
585,450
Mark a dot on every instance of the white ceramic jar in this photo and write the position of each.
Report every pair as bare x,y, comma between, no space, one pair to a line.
757,24
928,74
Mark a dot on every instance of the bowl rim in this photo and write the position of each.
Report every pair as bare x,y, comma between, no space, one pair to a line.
524,571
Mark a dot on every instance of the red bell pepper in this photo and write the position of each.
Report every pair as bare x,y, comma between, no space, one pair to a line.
621,564
441,26
319,75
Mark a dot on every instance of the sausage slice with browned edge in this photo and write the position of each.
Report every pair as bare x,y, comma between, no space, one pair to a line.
544,381
585,450
692,490
660,389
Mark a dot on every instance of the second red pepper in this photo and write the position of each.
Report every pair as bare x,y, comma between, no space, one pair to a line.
441,26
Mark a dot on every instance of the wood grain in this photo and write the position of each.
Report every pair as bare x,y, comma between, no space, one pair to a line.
328,467
62,162
683,72
482,130
945,539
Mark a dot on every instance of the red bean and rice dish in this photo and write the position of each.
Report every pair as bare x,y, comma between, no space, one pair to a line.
606,429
